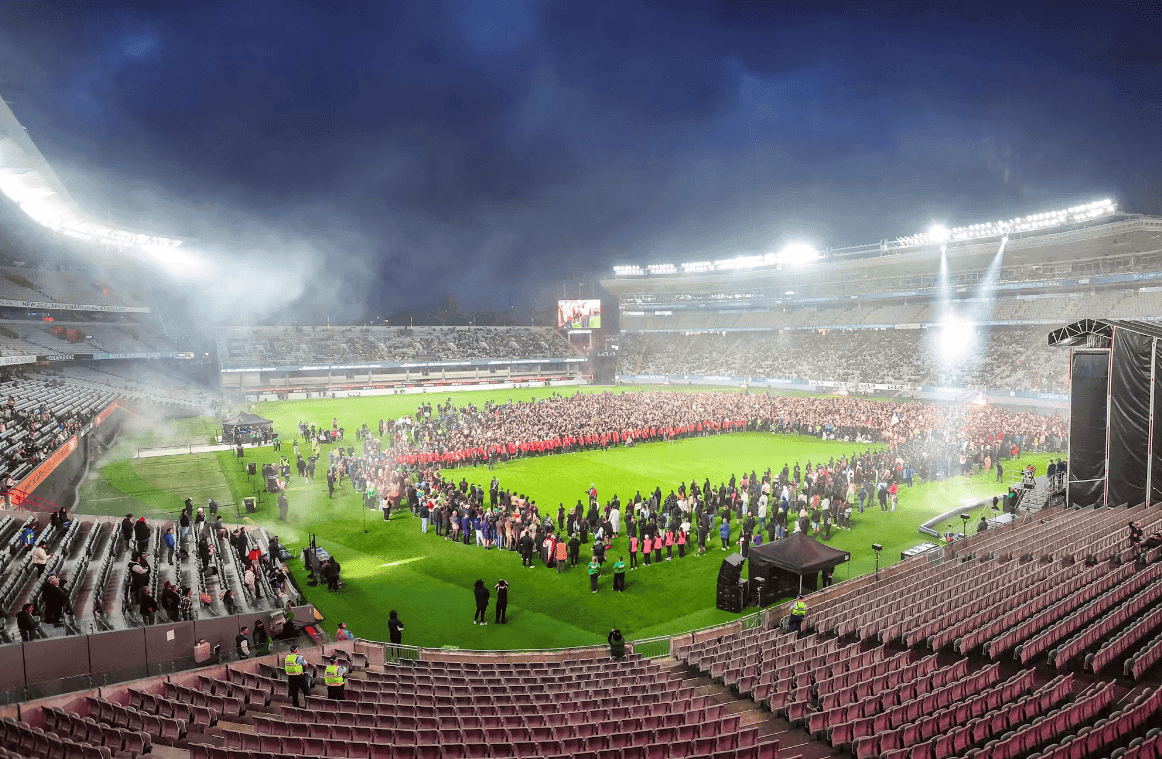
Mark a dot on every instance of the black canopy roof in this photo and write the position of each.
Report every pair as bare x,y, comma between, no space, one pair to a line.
797,554
244,419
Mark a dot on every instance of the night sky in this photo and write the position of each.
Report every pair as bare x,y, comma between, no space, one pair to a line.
384,155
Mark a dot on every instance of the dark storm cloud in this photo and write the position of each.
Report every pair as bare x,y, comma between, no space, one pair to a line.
401,151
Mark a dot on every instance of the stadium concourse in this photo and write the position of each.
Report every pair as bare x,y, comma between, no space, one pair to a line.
1039,640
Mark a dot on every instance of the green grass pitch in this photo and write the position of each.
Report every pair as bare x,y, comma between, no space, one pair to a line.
429,580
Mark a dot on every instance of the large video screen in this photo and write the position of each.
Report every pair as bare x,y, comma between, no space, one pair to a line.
578,314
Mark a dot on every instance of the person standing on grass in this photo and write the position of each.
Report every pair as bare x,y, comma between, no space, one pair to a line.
283,507
633,553
619,574
724,533
681,540
594,573
574,550
482,595
562,550
647,549
669,544
502,602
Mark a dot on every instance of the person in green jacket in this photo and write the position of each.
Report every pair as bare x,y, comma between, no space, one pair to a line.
616,644
798,611
619,574
594,571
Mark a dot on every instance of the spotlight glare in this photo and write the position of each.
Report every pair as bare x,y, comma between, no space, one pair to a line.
797,253
938,233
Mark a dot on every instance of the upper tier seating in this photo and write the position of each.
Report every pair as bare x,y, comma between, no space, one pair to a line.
240,347
45,286
1010,358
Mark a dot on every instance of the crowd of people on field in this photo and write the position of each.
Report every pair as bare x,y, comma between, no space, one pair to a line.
470,435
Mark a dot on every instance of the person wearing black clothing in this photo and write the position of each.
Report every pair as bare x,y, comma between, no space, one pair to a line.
482,595
982,526
261,638
574,550
148,607
283,507
126,531
1136,533
242,643
26,623
141,534
526,550
501,602
54,598
616,644
331,574
170,600
394,628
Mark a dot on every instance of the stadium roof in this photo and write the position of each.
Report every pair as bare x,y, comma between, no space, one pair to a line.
1117,236
28,180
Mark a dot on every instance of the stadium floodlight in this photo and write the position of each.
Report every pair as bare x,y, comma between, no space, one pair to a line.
797,253
938,233
741,262
953,340
628,271
662,269
697,267
790,292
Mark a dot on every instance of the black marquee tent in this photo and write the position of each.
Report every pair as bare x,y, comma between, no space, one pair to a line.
1115,377
244,421
793,562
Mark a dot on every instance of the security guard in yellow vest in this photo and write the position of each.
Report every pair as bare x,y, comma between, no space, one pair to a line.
333,677
295,667
798,611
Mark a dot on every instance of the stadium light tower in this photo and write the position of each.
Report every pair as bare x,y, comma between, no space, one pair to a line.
938,233
797,253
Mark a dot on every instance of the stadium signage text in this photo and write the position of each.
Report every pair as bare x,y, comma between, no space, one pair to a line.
73,307
150,354
13,360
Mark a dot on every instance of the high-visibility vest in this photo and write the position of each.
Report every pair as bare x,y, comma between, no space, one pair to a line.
331,675
799,609
292,665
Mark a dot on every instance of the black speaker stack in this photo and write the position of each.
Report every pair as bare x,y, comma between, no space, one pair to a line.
731,591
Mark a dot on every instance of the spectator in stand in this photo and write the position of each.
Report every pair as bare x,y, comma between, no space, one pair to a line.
55,599
147,607
40,557
187,605
261,638
26,623
141,534
616,644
